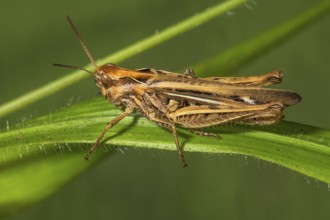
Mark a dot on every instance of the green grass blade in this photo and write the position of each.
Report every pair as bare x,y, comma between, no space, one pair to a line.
51,148
32,178
136,48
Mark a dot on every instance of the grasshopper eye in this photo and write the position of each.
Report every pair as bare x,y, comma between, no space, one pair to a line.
106,82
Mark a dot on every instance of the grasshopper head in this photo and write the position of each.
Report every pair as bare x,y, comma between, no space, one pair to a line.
102,77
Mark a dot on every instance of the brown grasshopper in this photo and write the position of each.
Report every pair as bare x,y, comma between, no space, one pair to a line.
171,99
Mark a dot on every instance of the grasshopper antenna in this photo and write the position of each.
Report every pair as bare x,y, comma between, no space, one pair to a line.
73,67
81,42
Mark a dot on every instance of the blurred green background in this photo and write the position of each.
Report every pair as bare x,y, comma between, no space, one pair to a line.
143,184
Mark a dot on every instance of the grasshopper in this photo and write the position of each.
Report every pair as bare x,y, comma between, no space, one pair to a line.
169,99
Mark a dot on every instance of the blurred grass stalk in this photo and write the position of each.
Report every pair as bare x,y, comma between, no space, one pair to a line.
225,63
